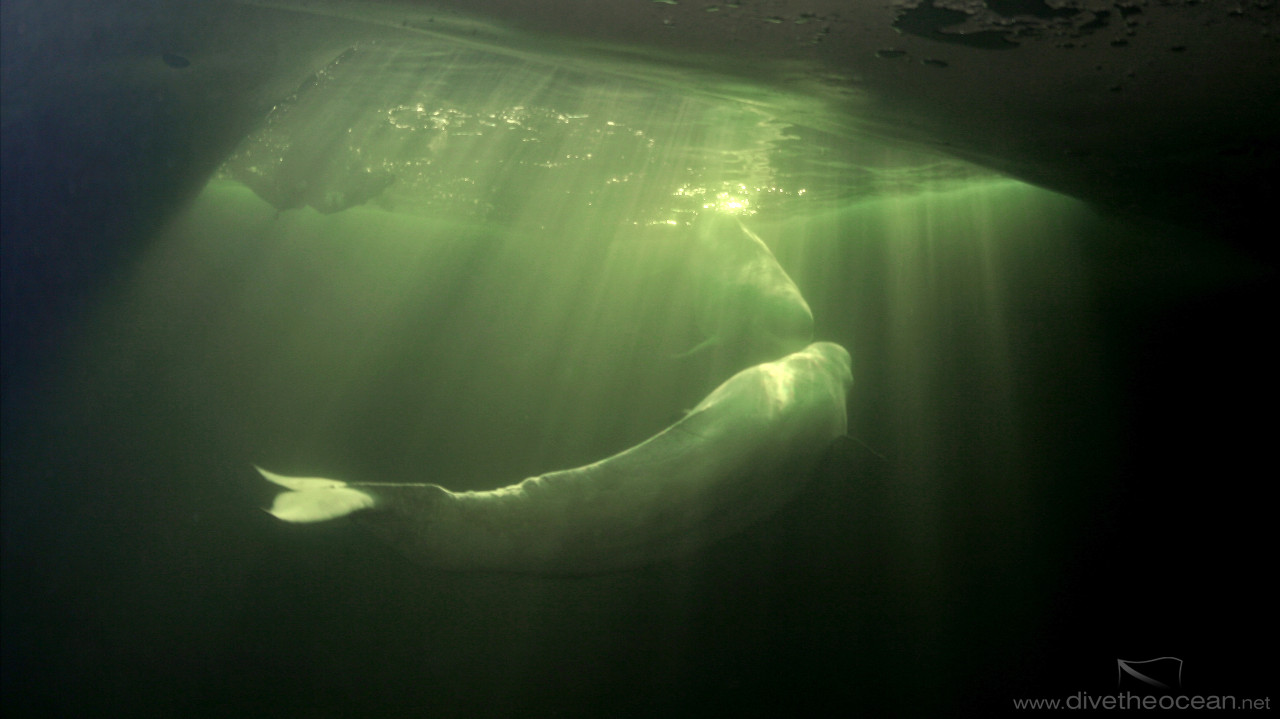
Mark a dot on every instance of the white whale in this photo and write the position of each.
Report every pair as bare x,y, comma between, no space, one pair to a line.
746,302
739,455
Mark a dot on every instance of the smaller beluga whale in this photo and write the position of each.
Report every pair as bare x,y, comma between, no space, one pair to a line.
747,305
739,455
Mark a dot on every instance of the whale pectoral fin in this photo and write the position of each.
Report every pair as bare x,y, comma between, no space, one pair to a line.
712,341
314,499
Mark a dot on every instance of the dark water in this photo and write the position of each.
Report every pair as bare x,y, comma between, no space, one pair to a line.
1060,422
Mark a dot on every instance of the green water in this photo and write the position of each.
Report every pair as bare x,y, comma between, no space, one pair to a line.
381,346
526,274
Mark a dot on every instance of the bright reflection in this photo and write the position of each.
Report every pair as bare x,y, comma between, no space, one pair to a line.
425,127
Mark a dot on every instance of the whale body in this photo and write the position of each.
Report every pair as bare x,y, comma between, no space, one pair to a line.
747,302
740,454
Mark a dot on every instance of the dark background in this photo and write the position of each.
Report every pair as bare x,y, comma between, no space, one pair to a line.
135,584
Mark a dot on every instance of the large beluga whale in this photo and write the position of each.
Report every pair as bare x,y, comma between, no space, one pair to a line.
746,302
740,454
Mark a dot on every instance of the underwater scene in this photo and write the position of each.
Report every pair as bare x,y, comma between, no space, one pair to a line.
484,376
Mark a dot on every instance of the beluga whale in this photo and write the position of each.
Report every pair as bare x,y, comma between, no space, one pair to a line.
736,457
747,305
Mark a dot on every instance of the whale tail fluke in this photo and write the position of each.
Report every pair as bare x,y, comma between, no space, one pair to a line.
314,499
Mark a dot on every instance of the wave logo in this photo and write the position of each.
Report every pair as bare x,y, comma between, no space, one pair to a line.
1161,673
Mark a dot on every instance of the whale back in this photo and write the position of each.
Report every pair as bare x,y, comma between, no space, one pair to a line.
739,455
